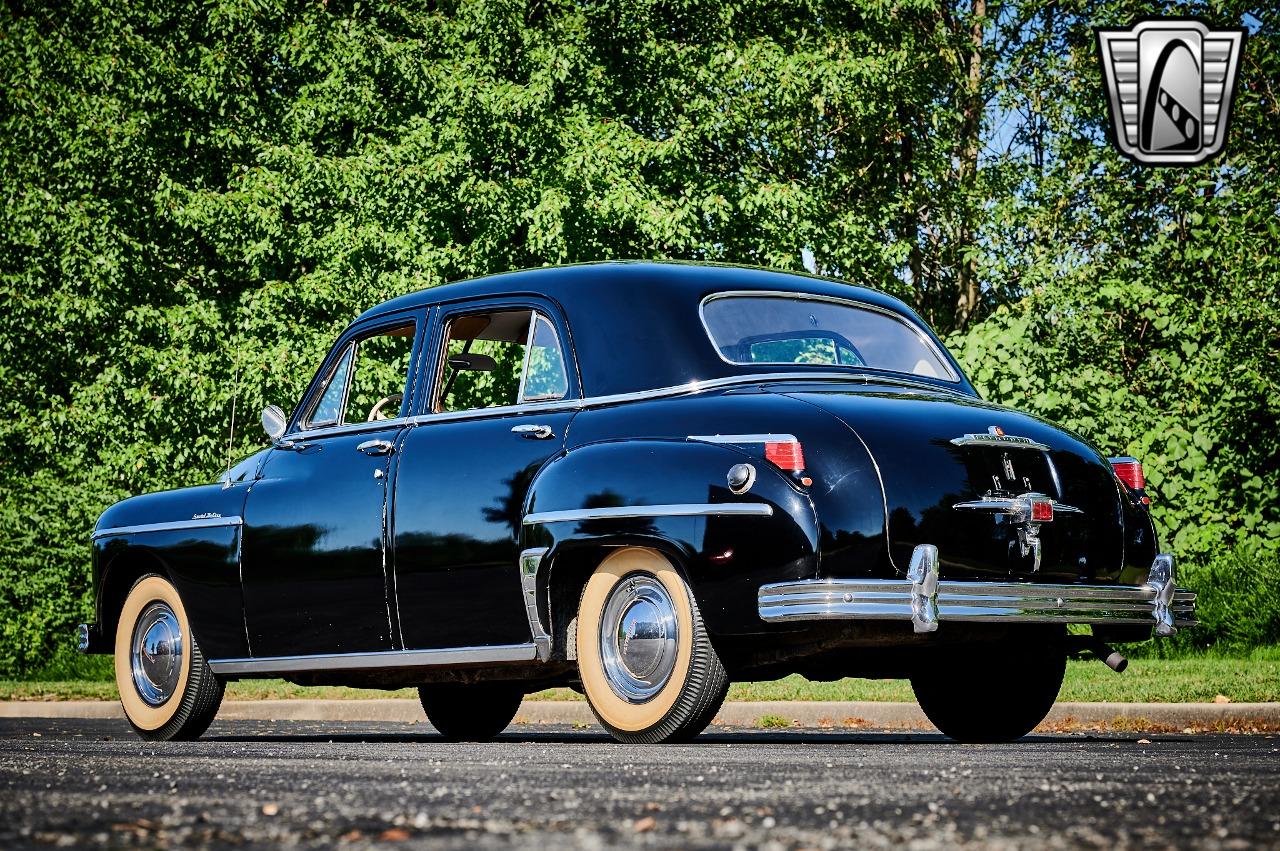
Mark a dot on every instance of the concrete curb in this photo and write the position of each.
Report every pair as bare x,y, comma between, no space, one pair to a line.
874,714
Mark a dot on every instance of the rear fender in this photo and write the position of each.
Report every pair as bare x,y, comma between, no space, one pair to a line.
724,557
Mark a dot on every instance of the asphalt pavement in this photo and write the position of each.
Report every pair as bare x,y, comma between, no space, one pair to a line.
79,782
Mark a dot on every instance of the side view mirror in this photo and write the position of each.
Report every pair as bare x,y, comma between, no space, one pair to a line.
274,421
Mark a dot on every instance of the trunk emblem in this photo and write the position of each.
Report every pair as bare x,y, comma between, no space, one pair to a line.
995,436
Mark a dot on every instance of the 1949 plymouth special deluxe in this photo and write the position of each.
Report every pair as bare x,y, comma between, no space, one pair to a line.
643,481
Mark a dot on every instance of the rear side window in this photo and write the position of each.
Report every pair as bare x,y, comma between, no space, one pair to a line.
500,358
788,330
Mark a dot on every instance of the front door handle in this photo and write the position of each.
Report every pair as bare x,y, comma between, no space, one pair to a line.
376,447
536,432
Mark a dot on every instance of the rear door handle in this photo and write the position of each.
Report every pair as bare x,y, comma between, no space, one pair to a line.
376,447
536,432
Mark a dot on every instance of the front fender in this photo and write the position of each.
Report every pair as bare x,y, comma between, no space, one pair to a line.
672,495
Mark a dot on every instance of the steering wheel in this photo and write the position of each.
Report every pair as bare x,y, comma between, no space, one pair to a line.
375,413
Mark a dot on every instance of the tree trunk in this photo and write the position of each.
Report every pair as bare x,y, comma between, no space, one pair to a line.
970,139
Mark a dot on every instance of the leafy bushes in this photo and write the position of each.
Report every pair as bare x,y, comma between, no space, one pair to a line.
195,197
1238,603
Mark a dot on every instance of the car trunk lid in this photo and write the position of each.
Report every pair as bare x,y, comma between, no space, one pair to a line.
1001,494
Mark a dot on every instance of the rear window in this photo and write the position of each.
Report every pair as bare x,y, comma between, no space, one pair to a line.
782,329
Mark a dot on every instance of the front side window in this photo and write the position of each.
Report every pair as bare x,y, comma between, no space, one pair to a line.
368,381
499,358
782,329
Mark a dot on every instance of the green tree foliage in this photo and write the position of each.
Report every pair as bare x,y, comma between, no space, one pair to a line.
1143,305
197,196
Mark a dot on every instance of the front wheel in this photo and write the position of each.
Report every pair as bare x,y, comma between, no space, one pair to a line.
470,713
646,662
993,692
166,687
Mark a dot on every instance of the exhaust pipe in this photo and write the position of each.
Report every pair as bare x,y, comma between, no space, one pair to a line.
1105,653
1110,657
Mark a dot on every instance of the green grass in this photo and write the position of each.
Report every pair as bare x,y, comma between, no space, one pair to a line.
1249,677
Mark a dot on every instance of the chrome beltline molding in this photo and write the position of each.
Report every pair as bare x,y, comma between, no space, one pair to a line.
448,656
891,599
585,403
739,509
171,526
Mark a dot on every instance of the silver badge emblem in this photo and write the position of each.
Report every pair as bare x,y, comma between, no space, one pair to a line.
1169,84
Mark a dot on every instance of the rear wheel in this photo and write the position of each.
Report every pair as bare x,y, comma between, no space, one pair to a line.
470,713
647,665
993,693
166,687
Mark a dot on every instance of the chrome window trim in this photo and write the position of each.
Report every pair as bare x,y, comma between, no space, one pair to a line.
736,509
800,296
977,602
171,526
445,656
351,428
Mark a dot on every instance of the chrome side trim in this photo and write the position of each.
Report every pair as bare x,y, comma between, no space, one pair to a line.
530,562
172,526
740,509
743,438
443,657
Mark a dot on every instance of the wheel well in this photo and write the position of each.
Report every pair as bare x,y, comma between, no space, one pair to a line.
570,569
121,574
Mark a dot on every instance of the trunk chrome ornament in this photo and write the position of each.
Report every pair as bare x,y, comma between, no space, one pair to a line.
995,436
1025,512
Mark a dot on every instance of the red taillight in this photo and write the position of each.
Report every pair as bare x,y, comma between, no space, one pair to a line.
1129,471
1042,511
788,455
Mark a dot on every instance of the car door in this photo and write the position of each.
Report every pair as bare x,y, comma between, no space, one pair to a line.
314,562
497,405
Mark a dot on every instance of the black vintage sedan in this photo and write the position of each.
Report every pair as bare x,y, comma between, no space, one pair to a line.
642,481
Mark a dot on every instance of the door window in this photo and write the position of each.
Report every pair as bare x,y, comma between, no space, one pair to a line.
499,358
368,381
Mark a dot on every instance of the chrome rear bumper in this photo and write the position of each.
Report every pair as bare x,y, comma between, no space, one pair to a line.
925,601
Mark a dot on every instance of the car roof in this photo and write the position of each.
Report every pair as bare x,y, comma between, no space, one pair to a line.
636,325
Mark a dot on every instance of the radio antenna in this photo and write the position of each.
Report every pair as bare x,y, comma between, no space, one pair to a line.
231,438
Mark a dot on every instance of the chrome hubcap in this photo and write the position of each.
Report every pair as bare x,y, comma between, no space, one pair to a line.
157,653
638,638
